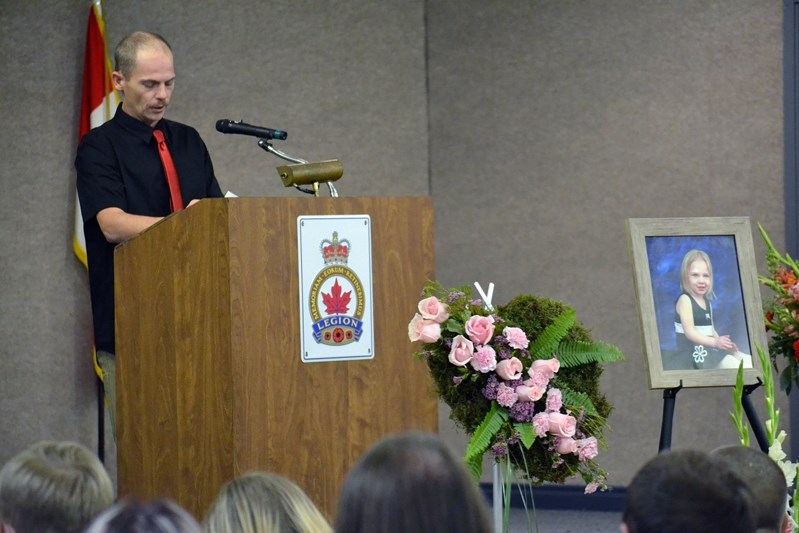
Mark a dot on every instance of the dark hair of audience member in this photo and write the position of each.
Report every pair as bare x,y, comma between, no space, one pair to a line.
158,516
411,483
687,491
259,502
764,479
53,487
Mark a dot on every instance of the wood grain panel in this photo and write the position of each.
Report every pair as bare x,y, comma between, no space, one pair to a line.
173,352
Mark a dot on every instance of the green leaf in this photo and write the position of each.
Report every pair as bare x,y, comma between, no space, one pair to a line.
768,382
526,432
548,340
738,415
574,400
481,439
475,467
572,354
454,326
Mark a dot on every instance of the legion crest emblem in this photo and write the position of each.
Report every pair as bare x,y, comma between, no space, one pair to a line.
336,301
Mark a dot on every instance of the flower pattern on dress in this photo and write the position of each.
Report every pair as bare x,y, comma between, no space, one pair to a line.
699,354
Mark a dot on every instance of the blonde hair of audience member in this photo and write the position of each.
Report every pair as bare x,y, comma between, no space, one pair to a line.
766,482
687,491
411,483
263,503
159,516
53,487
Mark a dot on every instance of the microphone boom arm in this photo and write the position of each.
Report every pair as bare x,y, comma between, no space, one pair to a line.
264,143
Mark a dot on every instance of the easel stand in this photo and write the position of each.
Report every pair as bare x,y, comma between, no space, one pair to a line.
670,397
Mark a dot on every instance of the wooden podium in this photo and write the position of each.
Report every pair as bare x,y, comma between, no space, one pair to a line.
209,376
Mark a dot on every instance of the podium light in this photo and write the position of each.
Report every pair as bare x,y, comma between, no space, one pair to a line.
311,173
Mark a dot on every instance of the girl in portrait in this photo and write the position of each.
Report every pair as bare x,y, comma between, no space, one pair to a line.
698,343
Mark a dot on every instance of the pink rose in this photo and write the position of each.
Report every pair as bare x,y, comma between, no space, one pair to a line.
538,379
423,330
506,396
554,400
566,445
461,352
548,367
587,448
529,393
480,328
510,369
431,309
562,425
540,423
516,337
485,359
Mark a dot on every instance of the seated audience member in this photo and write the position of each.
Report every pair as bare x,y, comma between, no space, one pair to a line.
687,491
263,503
159,516
411,483
53,487
766,482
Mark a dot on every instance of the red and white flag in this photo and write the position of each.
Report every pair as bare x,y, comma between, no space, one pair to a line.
100,100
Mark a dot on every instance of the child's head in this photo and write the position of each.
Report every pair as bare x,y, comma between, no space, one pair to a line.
693,270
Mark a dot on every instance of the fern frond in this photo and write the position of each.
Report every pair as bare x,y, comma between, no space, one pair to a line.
475,467
575,400
548,340
572,354
526,432
482,436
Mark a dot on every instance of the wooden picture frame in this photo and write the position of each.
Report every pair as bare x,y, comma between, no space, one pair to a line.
659,247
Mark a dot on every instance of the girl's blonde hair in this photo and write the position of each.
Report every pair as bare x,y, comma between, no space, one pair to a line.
259,502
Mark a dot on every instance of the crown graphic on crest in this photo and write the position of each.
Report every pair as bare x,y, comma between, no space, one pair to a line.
335,252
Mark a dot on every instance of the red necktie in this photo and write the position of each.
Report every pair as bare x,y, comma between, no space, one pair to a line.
175,199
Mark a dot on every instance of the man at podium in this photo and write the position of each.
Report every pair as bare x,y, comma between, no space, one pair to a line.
131,172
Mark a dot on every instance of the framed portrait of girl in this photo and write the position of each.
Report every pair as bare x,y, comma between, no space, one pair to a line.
698,300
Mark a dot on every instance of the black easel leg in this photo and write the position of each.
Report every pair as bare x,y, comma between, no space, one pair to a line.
669,398
100,420
751,415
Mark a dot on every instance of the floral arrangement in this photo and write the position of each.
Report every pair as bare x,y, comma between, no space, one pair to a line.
523,380
782,313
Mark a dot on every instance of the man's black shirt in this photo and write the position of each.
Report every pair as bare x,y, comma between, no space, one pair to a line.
118,166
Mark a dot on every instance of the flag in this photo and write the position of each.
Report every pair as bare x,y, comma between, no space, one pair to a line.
100,101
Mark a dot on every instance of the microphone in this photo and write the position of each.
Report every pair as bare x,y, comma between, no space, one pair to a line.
236,126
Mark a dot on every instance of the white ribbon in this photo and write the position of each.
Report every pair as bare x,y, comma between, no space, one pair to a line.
486,298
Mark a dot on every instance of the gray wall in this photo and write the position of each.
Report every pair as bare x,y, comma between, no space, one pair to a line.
537,126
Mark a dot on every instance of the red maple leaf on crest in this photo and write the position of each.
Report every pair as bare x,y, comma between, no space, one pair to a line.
336,303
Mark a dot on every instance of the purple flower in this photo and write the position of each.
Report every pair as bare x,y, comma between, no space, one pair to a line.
457,380
522,412
504,352
490,390
451,297
499,449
